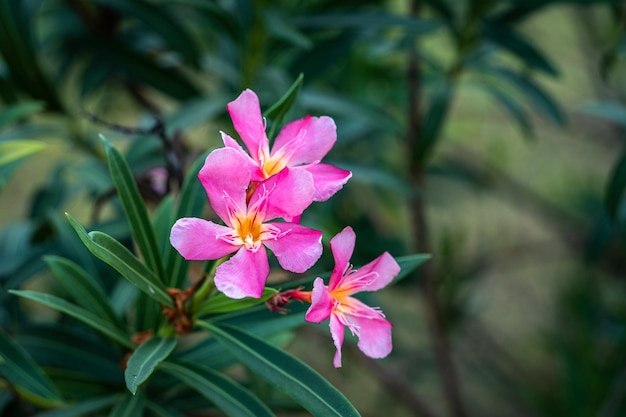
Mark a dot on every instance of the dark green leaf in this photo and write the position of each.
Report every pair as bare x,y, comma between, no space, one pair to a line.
162,222
18,111
434,119
123,261
537,97
23,372
82,408
160,411
135,209
519,46
277,112
162,22
129,406
190,204
514,109
284,371
367,21
615,189
145,359
611,111
229,396
78,313
408,264
219,303
281,28
82,288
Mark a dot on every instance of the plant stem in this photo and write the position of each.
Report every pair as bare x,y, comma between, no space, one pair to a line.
419,225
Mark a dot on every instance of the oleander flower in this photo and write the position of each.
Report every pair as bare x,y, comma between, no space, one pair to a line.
335,301
247,230
300,145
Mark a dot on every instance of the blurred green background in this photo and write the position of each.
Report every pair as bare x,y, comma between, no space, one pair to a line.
487,133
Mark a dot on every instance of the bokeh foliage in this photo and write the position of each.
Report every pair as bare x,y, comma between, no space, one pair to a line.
155,76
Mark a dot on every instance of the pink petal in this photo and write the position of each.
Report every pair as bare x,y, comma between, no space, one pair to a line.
342,246
327,180
225,178
337,332
245,112
321,304
296,247
374,336
197,239
306,140
373,276
252,165
244,274
289,193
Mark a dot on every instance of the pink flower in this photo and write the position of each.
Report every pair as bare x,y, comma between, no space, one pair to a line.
300,145
335,302
247,232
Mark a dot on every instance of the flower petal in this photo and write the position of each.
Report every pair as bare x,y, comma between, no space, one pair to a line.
337,332
321,304
252,165
288,193
342,246
373,276
374,336
197,239
306,140
225,178
244,274
296,247
245,112
327,180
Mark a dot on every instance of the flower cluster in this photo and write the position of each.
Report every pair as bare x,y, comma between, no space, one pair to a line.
260,196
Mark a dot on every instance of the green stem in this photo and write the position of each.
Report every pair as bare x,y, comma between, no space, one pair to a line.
207,287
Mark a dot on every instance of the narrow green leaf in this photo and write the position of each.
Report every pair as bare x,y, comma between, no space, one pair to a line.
611,111
284,371
82,408
129,406
160,411
512,107
537,97
83,289
145,359
14,150
18,111
162,222
408,264
123,261
277,112
134,208
616,186
190,204
162,22
435,117
78,313
23,372
228,395
219,303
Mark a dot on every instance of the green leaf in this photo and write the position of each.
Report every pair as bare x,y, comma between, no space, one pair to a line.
611,111
228,395
434,119
78,313
537,97
408,264
134,208
615,189
83,408
130,406
23,372
219,303
191,203
15,150
145,359
512,107
161,21
18,111
284,371
160,411
277,112
123,261
82,288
